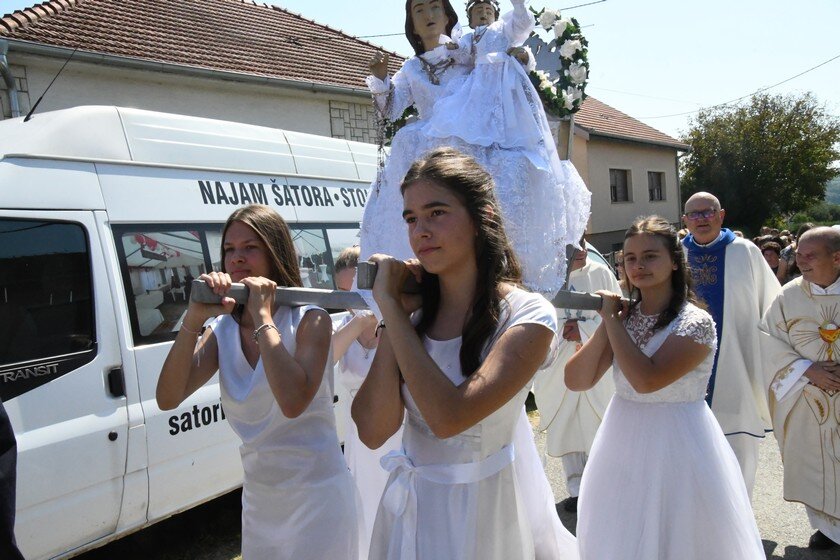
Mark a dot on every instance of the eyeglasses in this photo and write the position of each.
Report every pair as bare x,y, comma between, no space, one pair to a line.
707,213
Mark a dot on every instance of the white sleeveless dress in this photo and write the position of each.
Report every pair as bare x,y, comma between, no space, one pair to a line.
662,482
298,498
460,497
351,371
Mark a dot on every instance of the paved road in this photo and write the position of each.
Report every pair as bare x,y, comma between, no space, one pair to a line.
783,526
211,532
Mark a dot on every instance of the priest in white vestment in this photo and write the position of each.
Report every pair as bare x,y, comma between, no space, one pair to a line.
734,281
802,350
572,418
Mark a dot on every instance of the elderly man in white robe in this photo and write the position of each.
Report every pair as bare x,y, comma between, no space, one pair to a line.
571,418
802,349
732,278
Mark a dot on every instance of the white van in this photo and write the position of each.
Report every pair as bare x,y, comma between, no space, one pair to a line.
106,214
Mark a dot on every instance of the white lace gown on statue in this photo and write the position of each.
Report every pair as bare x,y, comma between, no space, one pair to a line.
662,482
461,497
544,202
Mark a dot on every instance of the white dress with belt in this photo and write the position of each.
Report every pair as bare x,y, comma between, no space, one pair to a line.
460,497
298,498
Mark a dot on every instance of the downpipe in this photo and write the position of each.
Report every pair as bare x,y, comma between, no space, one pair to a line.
8,78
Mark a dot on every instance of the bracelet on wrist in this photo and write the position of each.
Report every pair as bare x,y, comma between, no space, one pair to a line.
186,329
379,327
261,329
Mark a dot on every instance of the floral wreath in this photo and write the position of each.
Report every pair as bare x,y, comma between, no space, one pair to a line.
563,96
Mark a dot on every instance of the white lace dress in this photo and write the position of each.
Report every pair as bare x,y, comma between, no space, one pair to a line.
662,482
461,497
495,116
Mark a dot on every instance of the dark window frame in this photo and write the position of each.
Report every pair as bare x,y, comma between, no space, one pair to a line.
656,193
628,186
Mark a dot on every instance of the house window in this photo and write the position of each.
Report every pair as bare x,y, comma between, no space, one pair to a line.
656,185
619,185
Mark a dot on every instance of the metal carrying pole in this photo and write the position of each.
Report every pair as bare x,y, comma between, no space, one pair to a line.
366,273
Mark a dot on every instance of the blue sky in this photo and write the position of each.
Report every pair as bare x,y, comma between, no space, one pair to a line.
651,58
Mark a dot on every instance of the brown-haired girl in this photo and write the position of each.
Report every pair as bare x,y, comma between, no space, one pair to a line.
661,481
298,499
459,370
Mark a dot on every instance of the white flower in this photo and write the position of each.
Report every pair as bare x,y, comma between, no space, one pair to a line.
568,102
548,18
570,47
561,26
545,80
573,93
577,73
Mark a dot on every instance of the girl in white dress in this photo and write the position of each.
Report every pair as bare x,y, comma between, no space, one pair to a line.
459,371
298,498
544,204
354,347
661,481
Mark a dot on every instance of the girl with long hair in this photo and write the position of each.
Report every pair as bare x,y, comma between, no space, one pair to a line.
458,370
298,499
661,480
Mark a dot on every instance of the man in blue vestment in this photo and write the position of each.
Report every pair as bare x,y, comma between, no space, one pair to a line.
734,281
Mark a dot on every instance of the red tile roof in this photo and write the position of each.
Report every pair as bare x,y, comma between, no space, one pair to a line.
599,119
243,37
228,35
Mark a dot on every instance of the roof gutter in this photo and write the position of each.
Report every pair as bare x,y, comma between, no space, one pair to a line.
675,146
8,78
41,49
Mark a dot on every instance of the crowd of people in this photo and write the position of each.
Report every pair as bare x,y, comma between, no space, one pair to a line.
656,403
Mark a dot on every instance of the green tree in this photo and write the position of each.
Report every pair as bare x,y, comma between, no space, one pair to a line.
769,157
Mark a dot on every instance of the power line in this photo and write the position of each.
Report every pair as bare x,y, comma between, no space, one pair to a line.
644,95
749,94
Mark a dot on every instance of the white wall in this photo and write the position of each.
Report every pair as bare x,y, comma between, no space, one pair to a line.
84,83
610,220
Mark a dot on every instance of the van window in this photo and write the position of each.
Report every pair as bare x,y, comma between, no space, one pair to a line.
313,258
46,304
158,267
159,262
318,248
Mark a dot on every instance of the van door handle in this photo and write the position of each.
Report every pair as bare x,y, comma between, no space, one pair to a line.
116,383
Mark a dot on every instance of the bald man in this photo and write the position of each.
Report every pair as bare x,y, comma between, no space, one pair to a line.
802,350
732,278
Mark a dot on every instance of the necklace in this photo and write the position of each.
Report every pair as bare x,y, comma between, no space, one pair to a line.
365,349
476,38
479,33
435,70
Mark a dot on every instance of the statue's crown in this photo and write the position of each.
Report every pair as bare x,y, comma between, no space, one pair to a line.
494,3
